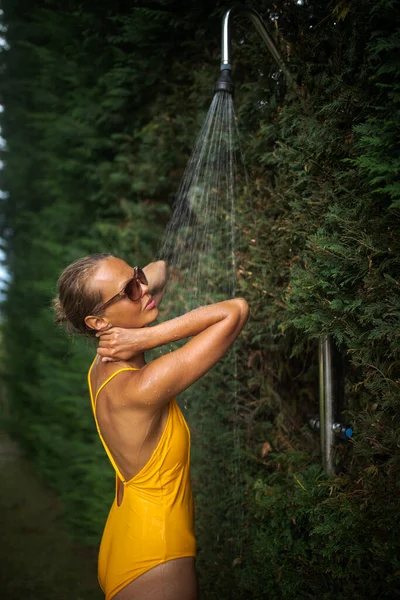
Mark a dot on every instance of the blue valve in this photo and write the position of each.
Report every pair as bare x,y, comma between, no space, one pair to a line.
344,432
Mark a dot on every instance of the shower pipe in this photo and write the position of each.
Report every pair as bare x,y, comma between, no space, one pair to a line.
325,424
224,83
326,403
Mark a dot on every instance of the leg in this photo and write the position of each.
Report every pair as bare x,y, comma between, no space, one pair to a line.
173,580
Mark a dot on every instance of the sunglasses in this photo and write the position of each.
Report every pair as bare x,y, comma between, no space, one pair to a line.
133,290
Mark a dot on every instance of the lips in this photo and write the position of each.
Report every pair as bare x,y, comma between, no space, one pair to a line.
150,304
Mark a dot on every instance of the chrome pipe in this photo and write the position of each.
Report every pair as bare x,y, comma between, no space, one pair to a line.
326,403
259,24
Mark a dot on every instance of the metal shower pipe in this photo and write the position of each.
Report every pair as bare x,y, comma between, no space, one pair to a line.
259,24
326,403
327,426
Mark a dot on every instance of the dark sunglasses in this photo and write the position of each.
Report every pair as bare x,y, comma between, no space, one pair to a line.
133,290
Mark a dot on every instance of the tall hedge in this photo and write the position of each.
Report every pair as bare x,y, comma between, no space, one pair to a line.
102,106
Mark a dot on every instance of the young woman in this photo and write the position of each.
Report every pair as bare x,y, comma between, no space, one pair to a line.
148,547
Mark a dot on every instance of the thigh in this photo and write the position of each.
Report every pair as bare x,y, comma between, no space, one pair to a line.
173,580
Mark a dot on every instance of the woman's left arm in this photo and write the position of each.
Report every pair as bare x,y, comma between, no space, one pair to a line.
156,273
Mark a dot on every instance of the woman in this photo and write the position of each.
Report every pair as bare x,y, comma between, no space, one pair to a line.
148,547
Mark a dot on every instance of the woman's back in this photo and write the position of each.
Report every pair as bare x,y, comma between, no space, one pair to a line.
130,429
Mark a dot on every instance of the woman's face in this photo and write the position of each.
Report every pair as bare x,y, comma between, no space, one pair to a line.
110,278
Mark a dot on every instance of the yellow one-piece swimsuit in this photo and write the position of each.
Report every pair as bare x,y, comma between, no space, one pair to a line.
154,522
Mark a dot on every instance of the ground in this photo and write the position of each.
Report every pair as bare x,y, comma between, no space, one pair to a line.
38,560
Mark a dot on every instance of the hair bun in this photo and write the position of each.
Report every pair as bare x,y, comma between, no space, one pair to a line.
59,313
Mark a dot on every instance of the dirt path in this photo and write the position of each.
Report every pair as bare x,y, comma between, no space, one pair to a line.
9,450
37,560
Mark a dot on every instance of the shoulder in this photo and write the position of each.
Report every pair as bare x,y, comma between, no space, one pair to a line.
115,378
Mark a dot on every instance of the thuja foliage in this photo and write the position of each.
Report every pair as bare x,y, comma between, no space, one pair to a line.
102,105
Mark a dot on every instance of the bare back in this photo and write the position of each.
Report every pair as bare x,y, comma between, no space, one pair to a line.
131,430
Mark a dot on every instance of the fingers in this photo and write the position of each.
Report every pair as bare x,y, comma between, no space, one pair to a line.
115,344
106,351
105,333
107,343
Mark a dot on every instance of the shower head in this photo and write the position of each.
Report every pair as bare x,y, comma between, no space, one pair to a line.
224,82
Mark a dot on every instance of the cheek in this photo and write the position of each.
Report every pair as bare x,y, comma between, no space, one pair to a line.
135,312
128,314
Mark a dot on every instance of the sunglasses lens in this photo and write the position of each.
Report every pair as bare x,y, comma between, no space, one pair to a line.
133,290
141,276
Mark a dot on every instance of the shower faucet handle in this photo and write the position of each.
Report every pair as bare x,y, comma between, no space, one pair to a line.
314,423
344,432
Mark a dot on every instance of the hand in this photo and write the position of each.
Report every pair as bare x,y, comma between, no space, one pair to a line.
119,344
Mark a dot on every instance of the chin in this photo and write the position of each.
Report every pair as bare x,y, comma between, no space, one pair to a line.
152,317
155,313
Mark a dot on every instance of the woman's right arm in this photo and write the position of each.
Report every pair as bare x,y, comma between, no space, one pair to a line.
213,330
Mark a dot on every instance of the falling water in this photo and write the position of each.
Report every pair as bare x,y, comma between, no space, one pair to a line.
200,246
199,241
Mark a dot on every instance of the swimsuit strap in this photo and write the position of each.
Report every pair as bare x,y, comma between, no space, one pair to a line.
112,377
94,400
105,382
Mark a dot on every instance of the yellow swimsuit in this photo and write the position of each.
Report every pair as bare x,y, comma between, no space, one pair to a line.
154,523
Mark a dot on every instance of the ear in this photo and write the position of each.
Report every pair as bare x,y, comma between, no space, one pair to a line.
97,323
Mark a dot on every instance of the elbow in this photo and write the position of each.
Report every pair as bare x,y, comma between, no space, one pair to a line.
240,314
236,313
243,309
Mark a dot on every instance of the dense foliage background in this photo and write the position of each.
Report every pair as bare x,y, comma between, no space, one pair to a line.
102,104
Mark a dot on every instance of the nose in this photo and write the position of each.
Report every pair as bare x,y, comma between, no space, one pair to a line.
145,288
